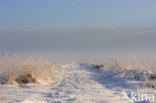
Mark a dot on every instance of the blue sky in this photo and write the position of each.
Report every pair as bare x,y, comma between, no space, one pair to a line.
77,13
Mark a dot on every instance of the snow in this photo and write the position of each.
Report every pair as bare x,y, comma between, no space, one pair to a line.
81,84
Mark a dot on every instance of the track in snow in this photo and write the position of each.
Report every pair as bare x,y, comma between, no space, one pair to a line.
79,85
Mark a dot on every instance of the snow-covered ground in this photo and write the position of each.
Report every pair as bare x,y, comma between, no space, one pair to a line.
81,84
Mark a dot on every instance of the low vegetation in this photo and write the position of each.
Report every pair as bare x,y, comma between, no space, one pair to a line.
130,69
19,70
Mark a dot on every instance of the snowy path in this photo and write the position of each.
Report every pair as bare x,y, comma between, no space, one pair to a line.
78,86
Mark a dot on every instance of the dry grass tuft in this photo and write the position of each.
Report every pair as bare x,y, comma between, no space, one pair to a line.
18,70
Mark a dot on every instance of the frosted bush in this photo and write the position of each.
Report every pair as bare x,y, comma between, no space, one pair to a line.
18,70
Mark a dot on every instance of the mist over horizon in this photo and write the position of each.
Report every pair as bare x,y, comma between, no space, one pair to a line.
80,43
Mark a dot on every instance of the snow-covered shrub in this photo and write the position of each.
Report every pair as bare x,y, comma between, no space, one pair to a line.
18,70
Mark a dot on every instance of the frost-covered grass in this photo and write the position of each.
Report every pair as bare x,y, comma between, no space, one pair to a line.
19,70
131,64
143,71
